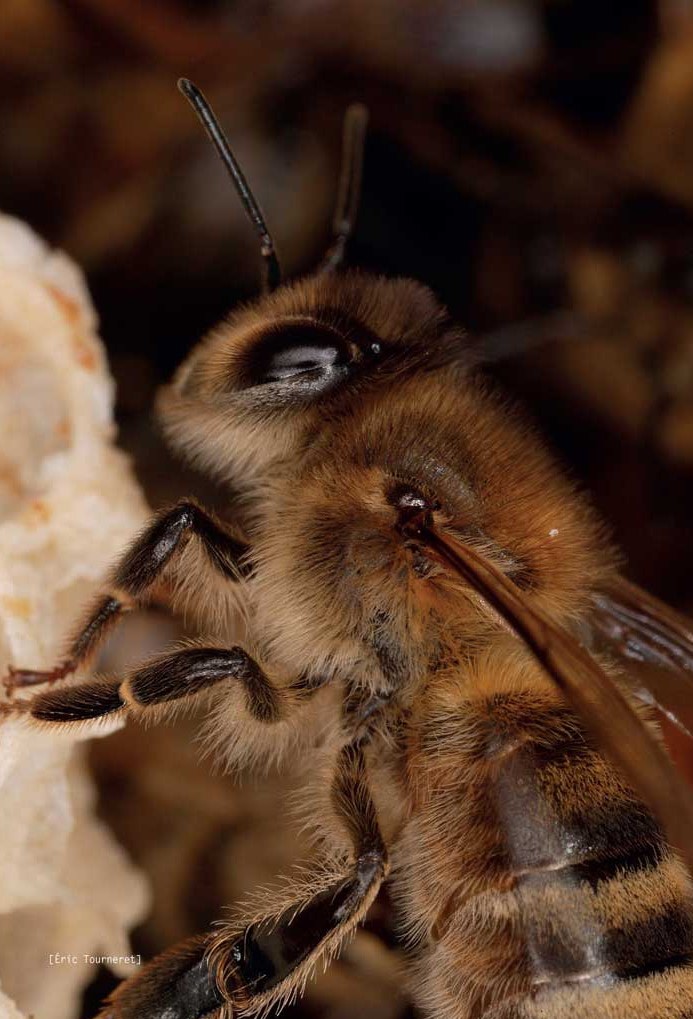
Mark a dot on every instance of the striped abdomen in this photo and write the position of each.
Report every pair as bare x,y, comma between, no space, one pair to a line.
537,886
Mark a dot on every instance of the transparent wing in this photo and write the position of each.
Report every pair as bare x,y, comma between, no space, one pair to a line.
657,643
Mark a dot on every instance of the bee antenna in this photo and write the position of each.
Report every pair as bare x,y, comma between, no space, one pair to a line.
349,189
272,273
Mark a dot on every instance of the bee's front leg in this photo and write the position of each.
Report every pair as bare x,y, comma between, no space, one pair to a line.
248,968
141,567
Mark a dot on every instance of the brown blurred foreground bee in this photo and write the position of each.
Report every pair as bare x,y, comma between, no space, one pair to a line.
439,629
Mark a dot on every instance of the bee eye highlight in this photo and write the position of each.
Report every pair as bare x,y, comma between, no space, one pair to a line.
301,358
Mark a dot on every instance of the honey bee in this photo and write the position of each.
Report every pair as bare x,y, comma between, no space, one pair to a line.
438,627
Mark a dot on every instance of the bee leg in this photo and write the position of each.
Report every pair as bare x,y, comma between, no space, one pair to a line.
178,984
140,568
250,968
267,961
170,677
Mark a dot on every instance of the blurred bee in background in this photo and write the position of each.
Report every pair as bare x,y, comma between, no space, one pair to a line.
437,626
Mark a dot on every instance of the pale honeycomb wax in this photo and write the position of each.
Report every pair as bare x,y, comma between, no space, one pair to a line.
68,504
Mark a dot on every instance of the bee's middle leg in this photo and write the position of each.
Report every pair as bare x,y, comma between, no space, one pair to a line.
172,677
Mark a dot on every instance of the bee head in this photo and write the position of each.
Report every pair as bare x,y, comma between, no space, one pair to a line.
251,399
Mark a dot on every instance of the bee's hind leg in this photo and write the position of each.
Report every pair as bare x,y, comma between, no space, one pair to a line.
265,962
178,984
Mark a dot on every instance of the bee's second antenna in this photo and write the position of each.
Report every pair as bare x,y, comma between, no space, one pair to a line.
272,276
349,190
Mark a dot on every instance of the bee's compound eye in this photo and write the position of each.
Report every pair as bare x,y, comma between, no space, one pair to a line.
296,349
301,358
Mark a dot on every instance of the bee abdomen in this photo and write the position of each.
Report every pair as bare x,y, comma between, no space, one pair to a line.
602,908
564,900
